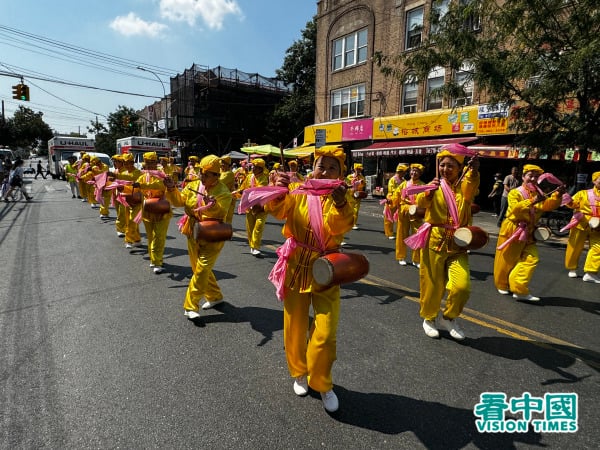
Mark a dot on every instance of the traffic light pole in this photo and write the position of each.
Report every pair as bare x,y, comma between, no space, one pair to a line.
166,115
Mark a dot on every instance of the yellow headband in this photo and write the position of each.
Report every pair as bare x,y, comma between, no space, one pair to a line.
418,166
401,167
532,168
459,158
595,175
258,162
210,163
150,156
332,151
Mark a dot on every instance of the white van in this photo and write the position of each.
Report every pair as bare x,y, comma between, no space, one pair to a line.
103,157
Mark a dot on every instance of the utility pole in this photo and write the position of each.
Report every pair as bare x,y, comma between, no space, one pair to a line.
166,114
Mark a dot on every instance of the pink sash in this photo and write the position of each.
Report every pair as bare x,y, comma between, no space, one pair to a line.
577,216
520,234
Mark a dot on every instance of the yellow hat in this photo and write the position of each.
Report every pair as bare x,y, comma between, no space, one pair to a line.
332,151
128,157
276,166
358,166
293,163
532,168
457,157
117,157
193,159
401,167
418,166
595,175
150,156
226,160
94,160
210,163
259,162
85,157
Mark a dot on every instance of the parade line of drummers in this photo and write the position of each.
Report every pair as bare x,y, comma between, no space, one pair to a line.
434,221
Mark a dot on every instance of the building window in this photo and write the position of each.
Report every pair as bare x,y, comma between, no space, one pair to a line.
464,78
348,102
438,10
414,27
350,50
435,80
409,95
473,21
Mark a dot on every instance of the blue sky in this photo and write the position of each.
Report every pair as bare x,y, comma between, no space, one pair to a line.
41,38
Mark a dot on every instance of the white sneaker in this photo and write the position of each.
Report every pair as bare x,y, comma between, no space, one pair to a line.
453,328
343,243
528,297
301,386
402,262
355,227
208,305
158,270
330,401
572,274
128,245
417,265
152,265
391,238
503,292
120,234
591,278
94,206
104,216
191,314
430,329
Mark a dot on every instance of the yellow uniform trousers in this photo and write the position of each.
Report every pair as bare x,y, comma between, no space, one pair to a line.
255,224
355,209
514,265
405,228
132,228
203,257
313,351
388,226
121,213
443,271
106,195
230,211
575,244
156,234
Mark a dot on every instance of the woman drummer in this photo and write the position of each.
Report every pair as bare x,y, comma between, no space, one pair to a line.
315,224
516,253
445,265
205,198
407,223
587,203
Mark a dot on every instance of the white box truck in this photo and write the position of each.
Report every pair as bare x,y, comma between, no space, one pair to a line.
60,148
138,145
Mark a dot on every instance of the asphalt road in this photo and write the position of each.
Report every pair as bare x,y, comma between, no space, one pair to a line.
95,351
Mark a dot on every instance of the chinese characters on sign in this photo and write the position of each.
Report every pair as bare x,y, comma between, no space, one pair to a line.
552,413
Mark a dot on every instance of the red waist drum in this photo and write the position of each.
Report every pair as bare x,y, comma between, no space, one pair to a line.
157,205
541,233
594,223
213,231
360,194
340,268
471,237
415,211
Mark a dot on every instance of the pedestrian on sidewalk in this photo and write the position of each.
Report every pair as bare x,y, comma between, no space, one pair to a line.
15,181
495,194
510,182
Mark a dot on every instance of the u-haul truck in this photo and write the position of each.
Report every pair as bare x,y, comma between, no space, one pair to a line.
137,146
61,147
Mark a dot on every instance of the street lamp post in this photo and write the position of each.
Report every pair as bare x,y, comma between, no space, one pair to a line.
165,96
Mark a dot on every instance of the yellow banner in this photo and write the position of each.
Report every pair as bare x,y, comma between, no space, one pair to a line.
333,132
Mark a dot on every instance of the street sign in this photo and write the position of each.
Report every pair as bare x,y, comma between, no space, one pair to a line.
320,137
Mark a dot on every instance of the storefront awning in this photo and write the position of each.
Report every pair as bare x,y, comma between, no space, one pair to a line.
407,148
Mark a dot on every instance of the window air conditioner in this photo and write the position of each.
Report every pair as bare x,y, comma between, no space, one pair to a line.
408,109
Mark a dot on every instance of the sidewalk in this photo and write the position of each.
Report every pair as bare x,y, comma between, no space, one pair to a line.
484,219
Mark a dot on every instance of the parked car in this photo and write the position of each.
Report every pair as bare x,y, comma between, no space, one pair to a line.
28,170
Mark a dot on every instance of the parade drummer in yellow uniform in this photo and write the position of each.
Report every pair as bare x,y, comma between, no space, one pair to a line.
310,362
71,176
444,265
120,210
228,179
205,198
83,167
130,173
516,253
156,224
587,203
358,185
295,177
407,223
389,209
255,217
190,172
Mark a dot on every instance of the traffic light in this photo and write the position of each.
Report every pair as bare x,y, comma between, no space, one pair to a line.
16,91
126,121
24,93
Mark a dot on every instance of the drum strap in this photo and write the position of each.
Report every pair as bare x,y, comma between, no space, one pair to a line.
520,234
593,200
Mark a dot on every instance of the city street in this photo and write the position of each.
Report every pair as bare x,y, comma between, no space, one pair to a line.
95,351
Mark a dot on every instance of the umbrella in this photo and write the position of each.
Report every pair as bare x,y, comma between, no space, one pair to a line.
236,155
263,150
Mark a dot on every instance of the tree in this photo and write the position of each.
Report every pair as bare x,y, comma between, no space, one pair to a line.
27,129
299,67
121,123
542,57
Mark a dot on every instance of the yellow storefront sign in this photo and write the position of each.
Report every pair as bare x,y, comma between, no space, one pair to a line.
333,132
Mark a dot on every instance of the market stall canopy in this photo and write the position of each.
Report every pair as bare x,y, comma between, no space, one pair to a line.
263,150
406,147
299,152
236,155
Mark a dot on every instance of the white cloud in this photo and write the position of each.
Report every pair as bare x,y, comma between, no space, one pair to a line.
132,25
212,12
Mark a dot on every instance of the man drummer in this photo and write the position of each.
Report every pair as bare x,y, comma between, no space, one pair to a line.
586,206
228,179
389,210
256,216
357,182
516,254
408,218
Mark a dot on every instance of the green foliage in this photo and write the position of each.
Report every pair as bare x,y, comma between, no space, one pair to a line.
25,129
118,127
537,55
